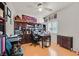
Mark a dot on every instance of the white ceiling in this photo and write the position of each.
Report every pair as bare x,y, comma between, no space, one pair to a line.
30,8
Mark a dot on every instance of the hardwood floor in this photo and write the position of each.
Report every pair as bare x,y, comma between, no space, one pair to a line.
61,51
34,50
54,50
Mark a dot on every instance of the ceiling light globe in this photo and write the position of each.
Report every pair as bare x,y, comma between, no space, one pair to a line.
40,9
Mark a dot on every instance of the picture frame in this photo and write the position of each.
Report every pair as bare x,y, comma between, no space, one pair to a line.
45,19
55,16
8,12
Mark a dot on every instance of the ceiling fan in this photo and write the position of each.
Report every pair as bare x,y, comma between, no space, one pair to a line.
42,5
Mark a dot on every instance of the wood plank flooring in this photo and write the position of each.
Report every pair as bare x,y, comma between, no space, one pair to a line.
34,50
31,50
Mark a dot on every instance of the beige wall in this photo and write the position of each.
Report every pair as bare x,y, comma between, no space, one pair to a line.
10,27
69,22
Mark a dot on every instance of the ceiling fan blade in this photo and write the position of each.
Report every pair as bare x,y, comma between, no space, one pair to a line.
39,4
43,4
48,9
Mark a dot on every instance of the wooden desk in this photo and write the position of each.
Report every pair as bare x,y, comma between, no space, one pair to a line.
26,36
44,38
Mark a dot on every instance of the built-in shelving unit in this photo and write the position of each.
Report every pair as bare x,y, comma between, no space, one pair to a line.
2,29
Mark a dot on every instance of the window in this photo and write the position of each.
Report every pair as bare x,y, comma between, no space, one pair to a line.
53,26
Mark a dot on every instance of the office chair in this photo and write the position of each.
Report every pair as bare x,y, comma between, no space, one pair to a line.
35,38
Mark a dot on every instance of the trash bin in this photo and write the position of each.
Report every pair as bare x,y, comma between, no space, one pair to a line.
46,43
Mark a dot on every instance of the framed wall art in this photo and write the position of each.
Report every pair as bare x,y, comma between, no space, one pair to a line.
8,12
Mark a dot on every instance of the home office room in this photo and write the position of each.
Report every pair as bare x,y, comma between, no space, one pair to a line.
39,29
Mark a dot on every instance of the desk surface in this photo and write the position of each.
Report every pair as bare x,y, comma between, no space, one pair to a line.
14,39
44,34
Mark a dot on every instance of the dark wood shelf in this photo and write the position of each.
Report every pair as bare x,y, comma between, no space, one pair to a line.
2,19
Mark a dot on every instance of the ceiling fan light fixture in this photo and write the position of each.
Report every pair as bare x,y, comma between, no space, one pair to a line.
40,9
